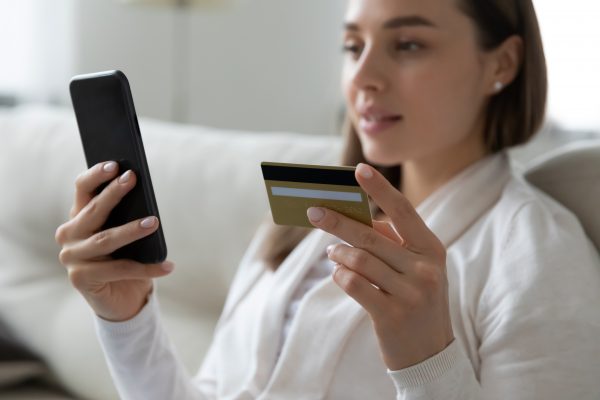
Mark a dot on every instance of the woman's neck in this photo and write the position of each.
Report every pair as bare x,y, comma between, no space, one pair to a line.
421,177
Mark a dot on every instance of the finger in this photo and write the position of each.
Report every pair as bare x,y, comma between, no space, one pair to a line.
373,300
368,266
106,242
119,270
91,218
361,236
403,215
386,229
88,182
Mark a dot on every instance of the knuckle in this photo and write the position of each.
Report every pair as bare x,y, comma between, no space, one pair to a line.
115,190
351,283
429,275
77,277
331,221
65,256
102,239
91,208
402,207
434,279
357,258
60,236
81,179
367,238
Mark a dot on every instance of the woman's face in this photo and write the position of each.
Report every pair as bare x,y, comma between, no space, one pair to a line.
414,79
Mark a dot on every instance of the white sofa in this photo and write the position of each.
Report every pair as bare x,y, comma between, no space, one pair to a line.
211,199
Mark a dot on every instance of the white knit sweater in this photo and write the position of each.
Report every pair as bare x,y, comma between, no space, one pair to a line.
524,287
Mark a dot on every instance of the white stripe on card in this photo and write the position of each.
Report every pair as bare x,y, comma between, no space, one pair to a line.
316,194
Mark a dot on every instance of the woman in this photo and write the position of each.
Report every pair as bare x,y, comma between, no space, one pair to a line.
488,289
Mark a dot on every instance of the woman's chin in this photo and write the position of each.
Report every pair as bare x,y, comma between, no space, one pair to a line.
381,158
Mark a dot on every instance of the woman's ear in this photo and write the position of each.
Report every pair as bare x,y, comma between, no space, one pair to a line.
506,61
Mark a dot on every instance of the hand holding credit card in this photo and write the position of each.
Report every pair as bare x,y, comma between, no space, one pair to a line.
293,188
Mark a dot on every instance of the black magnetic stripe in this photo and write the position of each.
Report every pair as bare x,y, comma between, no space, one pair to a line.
309,175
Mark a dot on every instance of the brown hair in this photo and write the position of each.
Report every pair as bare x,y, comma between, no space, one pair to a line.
512,116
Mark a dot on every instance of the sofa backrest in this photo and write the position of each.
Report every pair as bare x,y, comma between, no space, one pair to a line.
571,175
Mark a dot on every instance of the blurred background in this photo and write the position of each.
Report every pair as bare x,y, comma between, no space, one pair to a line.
264,65
248,64
211,78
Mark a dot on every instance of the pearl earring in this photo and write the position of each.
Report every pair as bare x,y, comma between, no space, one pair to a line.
498,86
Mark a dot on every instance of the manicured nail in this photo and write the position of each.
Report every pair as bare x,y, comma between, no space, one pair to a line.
315,214
330,249
109,166
148,222
364,171
167,266
125,177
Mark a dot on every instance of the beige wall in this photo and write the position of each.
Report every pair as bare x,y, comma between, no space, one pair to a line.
259,64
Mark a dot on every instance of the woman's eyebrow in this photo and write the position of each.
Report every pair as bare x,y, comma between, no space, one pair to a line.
397,22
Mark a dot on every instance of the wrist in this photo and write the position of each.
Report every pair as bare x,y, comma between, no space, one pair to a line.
418,353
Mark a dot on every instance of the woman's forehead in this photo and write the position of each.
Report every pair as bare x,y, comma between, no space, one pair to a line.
379,11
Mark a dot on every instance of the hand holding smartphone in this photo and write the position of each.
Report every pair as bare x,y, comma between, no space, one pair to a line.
109,131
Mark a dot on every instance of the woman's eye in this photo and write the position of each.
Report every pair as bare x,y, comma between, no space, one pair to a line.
353,49
409,46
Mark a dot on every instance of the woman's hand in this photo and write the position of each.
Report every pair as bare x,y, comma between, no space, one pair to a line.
115,289
396,272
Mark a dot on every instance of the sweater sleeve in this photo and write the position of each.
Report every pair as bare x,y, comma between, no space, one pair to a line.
142,361
537,322
446,375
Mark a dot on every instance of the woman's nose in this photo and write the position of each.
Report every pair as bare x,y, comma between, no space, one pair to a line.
369,72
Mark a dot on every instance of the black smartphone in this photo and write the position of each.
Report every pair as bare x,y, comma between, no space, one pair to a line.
109,131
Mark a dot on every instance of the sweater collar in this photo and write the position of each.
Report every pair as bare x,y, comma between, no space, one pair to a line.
459,203
328,316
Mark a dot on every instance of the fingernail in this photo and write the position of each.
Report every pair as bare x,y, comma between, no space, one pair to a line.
125,177
315,214
148,222
110,166
167,266
364,171
330,249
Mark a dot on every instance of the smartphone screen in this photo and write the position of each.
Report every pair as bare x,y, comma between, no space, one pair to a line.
109,131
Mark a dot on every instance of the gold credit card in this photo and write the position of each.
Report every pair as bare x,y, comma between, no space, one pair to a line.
293,188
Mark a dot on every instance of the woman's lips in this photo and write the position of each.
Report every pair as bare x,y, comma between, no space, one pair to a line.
376,125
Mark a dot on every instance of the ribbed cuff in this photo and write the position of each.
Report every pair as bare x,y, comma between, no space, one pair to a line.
142,319
427,371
